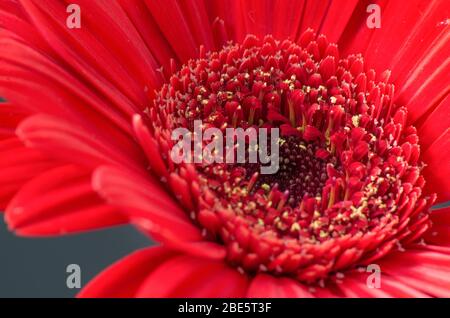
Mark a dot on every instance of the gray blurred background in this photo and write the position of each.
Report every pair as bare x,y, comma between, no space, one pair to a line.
36,267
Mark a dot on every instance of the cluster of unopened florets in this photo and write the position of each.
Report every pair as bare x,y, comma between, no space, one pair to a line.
349,187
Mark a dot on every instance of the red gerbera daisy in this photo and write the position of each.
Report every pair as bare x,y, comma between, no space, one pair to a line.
86,140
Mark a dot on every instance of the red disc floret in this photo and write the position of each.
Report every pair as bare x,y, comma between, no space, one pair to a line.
349,186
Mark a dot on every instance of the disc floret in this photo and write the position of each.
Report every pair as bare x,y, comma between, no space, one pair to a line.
349,187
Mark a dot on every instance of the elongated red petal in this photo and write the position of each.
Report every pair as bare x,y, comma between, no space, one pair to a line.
57,202
435,124
124,278
267,286
423,270
437,171
175,27
185,276
73,143
149,207
103,57
18,165
10,116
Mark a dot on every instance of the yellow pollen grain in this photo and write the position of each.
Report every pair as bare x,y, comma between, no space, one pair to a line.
295,227
358,212
371,189
316,224
355,120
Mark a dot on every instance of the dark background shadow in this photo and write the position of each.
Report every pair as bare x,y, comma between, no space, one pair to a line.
36,267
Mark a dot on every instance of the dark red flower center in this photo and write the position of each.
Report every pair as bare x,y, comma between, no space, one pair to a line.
348,188
301,173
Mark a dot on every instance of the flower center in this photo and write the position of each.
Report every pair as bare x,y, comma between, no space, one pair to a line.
348,188
301,173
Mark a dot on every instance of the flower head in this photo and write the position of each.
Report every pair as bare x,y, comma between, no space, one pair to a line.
349,173
362,119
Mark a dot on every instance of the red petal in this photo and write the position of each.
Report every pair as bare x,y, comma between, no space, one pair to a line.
267,286
435,124
337,16
101,51
57,202
150,147
437,171
286,18
426,271
232,13
73,143
124,278
439,232
18,165
10,116
441,216
152,209
172,23
314,15
27,75
355,285
185,276
141,17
